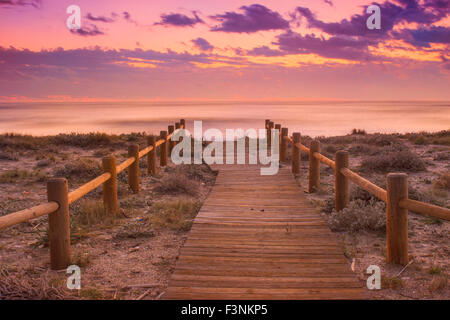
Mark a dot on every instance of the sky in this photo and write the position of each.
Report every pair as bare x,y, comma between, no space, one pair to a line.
224,50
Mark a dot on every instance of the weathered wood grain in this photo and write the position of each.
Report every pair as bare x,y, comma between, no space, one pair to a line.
258,237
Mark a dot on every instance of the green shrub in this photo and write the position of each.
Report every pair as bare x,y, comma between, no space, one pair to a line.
395,161
420,140
87,140
363,149
383,140
359,131
359,215
423,138
17,141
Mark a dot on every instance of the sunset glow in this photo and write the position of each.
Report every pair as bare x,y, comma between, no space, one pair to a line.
208,49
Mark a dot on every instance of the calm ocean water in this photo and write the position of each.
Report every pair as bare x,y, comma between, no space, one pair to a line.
309,118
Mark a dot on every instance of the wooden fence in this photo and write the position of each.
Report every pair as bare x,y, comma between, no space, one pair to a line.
59,197
396,196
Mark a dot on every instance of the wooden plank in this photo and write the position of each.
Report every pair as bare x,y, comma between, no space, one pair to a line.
258,237
192,292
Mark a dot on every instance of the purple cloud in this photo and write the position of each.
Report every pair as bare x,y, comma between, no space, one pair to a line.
127,17
350,38
89,16
391,14
113,18
202,44
100,73
255,18
328,2
88,31
33,3
422,37
179,20
335,47
92,59
262,51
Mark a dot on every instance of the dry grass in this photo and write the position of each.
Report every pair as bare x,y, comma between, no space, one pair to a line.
391,282
426,138
177,183
439,282
12,176
14,286
83,214
78,169
174,215
82,259
91,294
442,182
9,155
89,212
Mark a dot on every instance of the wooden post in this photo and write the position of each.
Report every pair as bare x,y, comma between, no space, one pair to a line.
133,169
110,199
267,132
183,123
341,185
163,150
269,136
396,219
177,126
314,166
59,224
278,127
295,153
284,144
171,144
151,157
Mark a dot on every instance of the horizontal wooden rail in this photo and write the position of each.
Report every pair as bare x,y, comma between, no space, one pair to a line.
365,184
425,209
324,159
145,151
302,147
88,187
124,165
27,214
160,142
380,193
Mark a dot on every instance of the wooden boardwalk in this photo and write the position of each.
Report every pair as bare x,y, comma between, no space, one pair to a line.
257,237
